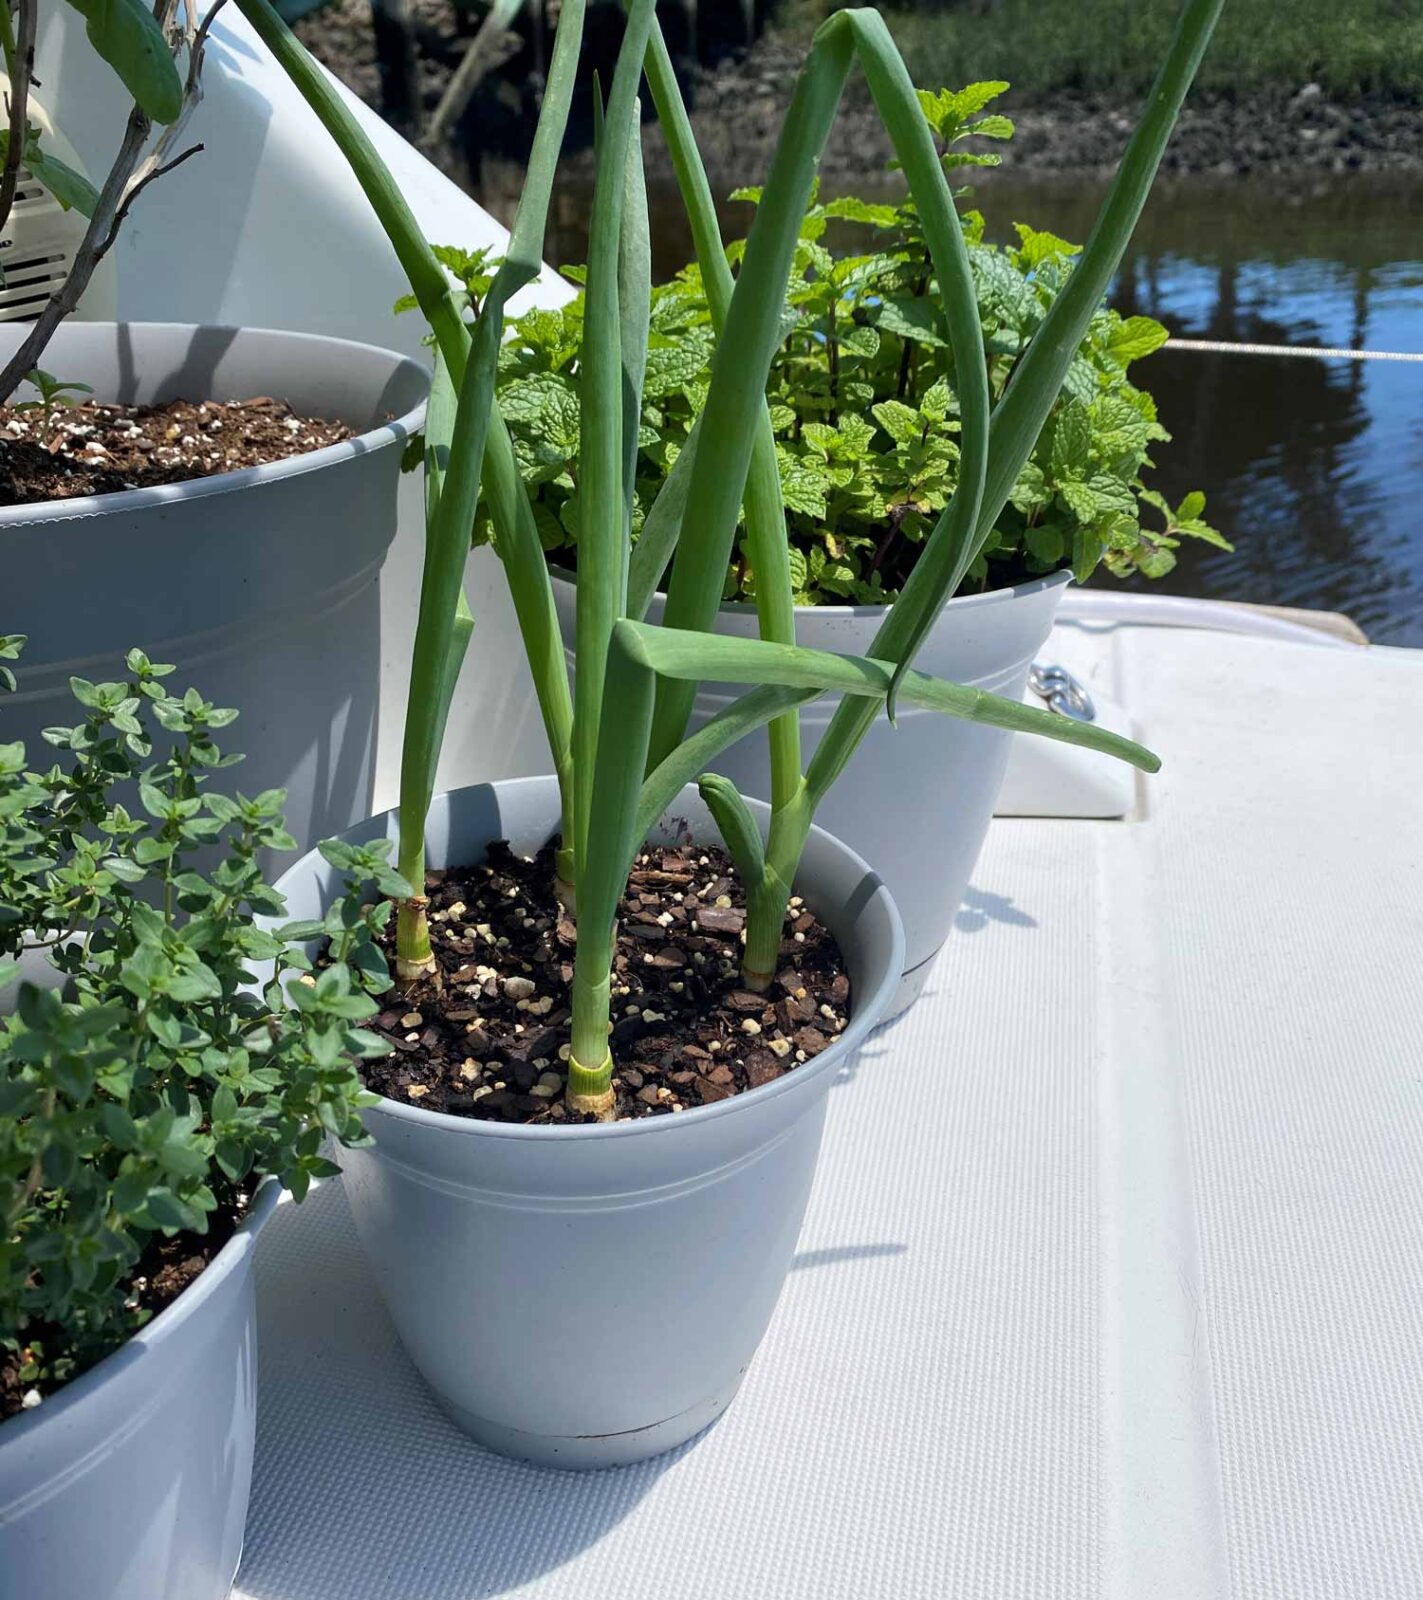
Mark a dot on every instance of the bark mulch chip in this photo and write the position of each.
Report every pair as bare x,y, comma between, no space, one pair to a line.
98,448
493,1042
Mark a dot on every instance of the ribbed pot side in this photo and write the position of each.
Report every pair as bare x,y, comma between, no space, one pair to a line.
259,585
131,1483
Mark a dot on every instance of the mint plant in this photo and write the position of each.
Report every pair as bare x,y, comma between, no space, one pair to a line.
864,402
185,1048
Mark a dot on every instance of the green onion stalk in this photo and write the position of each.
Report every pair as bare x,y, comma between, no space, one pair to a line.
467,451
619,740
992,457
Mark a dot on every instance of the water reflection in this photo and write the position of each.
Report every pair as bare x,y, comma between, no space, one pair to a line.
1314,469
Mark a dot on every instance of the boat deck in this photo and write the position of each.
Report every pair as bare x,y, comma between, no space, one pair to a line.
1135,1310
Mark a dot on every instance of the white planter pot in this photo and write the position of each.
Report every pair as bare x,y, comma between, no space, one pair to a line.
585,1296
917,799
131,1483
259,585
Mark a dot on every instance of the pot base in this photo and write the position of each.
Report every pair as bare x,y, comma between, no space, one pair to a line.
589,1452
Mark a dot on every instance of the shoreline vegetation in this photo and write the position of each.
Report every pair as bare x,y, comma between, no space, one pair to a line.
1295,89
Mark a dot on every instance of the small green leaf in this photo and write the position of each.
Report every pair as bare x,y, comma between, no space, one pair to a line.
901,422
1071,449
1079,500
1086,553
72,189
126,34
1038,245
912,318
1134,337
1045,544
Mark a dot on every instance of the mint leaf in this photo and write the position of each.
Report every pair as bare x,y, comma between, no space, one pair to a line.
1134,337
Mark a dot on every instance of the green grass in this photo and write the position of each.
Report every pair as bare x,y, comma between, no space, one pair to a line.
1349,47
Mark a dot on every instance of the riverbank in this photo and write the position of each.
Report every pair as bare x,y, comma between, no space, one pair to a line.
1298,132
1294,131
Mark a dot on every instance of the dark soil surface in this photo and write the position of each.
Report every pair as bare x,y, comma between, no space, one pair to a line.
738,107
97,448
494,1044
164,1271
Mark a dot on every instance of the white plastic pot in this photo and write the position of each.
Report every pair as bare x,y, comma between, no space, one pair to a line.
586,1296
260,585
131,1483
917,798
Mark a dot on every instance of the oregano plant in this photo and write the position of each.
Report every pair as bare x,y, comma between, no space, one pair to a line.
162,1047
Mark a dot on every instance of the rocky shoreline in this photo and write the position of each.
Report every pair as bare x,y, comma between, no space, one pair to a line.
1296,133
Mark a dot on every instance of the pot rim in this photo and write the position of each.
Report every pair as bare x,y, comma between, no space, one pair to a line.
862,1021
962,602
153,1334
125,501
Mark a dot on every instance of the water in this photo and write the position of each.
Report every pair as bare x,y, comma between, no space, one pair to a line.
1314,469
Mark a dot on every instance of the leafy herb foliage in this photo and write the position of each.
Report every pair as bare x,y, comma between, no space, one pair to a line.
864,407
155,1077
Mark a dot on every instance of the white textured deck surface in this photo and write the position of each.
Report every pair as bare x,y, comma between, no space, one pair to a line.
1140,1314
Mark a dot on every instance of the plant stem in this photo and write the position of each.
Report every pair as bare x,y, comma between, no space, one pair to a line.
603,532
735,400
614,836
19,68
517,537
766,905
34,1177
834,351
456,432
766,871
130,174
906,355
86,257
441,632
1032,391
414,958
765,510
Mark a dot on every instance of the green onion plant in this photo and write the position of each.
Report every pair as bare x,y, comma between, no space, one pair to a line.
618,737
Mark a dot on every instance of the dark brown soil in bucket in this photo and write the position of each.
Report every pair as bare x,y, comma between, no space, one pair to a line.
97,448
493,1043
